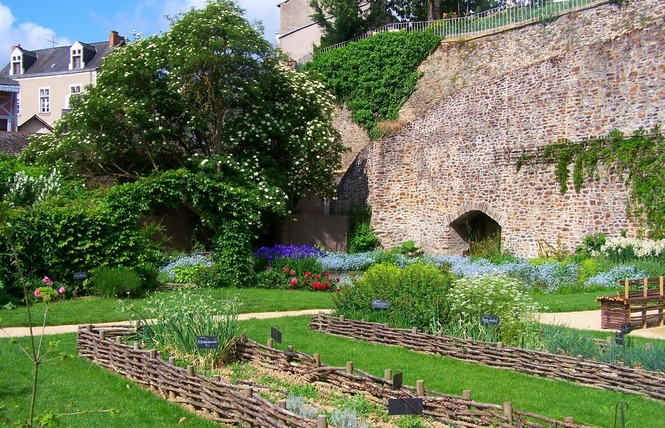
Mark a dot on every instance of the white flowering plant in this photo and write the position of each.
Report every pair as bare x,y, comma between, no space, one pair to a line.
497,294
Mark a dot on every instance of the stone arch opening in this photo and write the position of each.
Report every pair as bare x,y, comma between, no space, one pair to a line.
473,230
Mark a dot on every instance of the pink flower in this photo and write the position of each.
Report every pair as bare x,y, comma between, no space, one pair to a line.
61,290
38,292
46,280
293,272
285,269
294,282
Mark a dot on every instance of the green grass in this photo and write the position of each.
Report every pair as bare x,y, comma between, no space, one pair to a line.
96,389
98,309
93,388
80,383
556,399
568,302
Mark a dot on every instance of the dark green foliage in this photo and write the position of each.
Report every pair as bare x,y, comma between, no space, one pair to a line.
375,76
361,234
417,296
116,282
59,237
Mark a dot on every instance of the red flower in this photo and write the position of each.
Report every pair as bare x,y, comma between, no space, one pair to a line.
318,277
285,269
294,282
308,274
326,285
337,279
327,275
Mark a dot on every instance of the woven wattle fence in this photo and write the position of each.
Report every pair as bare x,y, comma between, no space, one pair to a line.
552,366
232,404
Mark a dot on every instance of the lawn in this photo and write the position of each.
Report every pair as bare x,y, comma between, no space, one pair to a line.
98,309
94,389
88,310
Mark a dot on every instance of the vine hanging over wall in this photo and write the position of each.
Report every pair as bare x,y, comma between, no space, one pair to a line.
640,157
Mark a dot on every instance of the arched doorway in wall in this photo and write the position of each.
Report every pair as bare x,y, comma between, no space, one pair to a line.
474,232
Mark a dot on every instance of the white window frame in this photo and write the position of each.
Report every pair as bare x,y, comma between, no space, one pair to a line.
16,60
76,53
74,89
18,104
44,100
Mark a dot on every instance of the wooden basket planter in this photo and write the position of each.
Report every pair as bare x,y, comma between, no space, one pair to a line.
224,402
559,367
640,308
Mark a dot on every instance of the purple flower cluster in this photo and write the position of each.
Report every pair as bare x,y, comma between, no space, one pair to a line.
287,251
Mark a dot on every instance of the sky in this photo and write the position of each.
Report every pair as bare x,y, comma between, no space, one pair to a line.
35,24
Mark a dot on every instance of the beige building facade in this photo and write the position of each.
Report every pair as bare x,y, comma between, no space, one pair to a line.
49,78
298,33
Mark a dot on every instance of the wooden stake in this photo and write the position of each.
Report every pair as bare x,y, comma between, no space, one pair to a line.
317,360
420,388
322,422
508,411
466,394
349,367
388,374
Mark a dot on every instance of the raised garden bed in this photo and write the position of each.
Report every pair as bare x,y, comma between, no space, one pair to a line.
560,367
225,402
640,308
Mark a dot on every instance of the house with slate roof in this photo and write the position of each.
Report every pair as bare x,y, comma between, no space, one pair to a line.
9,90
48,78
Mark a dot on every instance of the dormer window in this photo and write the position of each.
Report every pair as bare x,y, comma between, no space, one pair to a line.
77,59
16,65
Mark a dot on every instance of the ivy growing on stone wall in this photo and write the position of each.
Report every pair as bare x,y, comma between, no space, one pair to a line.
373,77
640,157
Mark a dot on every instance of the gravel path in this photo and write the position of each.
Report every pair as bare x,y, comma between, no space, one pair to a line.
584,320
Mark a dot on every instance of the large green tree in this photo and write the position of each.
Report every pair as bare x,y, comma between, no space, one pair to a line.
209,88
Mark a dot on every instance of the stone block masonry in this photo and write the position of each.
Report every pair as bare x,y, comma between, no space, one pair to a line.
448,165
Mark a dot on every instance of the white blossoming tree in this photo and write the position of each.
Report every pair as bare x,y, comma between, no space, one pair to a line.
207,116
210,86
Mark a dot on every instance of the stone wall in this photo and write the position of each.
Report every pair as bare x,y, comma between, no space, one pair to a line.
450,163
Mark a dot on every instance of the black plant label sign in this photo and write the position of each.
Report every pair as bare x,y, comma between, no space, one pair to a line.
490,320
207,342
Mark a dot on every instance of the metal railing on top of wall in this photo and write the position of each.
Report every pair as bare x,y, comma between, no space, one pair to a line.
509,15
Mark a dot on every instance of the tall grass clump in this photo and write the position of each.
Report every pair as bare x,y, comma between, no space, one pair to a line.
171,322
416,293
116,282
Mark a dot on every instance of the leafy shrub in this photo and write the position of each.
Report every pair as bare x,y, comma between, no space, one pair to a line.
472,297
60,236
362,238
417,296
173,321
116,282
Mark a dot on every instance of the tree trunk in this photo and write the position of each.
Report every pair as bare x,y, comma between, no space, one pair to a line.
433,10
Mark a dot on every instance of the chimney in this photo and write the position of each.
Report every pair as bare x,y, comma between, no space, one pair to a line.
115,39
